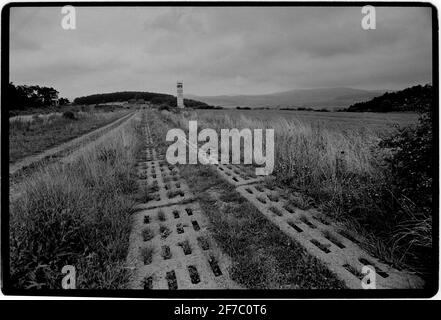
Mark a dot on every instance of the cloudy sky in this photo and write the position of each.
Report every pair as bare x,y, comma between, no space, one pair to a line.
219,50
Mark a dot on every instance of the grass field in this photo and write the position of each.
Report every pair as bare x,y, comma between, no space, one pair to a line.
335,161
80,213
28,137
77,214
331,120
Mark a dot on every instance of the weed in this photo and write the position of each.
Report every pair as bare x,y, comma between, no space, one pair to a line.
174,193
166,253
203,243
147,234
185,245
147,254
194,275
164,231
161,215
145,193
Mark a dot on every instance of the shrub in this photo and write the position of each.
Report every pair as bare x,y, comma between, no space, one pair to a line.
69,115
411,182
147,234
147,254
164,107
411,163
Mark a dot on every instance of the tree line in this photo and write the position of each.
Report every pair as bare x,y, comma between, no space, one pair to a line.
134,96
416,98
22,97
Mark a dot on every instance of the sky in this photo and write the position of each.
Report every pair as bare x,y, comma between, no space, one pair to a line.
217,51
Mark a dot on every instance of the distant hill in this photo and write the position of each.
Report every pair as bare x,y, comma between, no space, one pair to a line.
331,98
411,99
151,97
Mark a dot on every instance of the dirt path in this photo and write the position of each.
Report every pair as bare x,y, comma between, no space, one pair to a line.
64,153
31,160
170,244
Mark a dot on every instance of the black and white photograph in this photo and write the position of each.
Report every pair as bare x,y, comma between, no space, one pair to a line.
220,149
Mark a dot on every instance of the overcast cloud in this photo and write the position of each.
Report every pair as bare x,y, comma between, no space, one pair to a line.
219,50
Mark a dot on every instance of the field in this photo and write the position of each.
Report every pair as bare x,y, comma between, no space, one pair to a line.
332,120
126,218
77,213
336,163
29,136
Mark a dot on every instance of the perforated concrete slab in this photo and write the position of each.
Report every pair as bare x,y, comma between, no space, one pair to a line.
170,246
233,173
164,184
182,253
341,255
236,175
150,154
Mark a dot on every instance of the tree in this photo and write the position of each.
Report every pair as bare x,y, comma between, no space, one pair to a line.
409,99
22,97
63,101
48,95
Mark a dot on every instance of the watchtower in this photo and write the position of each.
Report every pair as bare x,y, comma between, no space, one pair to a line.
180,94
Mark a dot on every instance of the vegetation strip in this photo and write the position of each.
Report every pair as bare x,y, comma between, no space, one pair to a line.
262,257
32,160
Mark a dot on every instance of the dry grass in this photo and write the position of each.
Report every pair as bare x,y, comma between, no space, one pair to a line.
147,254
262,256
147,234
27,137
78,214
161,215
164,231
340,171
332,120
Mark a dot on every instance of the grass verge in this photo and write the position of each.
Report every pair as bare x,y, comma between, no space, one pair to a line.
28,137
77,214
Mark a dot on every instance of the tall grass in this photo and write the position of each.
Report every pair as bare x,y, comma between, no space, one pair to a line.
77,214
35,134
343,172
